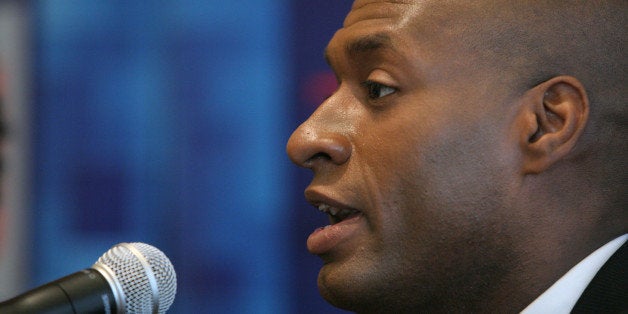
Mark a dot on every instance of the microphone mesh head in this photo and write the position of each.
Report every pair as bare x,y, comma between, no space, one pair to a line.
135,280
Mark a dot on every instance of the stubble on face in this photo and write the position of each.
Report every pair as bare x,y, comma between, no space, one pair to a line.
417,161
435,165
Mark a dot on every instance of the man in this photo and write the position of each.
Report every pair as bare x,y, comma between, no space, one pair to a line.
473,153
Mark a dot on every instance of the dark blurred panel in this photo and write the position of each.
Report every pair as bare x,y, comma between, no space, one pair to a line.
166,123
315,23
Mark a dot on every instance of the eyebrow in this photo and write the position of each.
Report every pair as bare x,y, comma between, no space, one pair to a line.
365,44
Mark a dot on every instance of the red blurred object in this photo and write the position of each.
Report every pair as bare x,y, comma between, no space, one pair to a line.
318,87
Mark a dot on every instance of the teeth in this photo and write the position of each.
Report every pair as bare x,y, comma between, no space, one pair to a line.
328,209
333,210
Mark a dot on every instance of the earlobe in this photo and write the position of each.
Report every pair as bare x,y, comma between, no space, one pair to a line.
554,116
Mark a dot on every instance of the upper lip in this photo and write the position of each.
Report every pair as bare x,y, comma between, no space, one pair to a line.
336,210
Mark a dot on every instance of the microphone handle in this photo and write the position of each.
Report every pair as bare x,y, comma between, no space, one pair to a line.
85,291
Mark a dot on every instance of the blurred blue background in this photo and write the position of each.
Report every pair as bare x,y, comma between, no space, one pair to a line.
165,122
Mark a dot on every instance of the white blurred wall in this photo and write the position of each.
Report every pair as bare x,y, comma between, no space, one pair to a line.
15,56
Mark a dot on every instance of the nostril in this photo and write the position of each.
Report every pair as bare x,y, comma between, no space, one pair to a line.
306,149
321,155
318,156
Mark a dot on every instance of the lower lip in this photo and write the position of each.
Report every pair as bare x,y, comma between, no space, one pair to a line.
324,239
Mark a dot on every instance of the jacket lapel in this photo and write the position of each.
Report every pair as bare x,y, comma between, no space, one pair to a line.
608,291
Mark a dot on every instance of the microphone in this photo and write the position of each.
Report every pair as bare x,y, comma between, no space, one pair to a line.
129,278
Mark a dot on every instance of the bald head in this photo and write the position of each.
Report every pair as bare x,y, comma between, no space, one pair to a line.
538,39
529,42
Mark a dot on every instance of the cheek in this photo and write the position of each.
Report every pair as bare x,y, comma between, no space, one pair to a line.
393,179
435,180
430,163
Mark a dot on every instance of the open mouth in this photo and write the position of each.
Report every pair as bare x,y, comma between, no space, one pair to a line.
337,215
345,224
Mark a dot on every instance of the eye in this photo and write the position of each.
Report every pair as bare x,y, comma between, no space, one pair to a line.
376,90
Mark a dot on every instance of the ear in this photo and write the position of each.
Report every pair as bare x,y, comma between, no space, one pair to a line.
554,115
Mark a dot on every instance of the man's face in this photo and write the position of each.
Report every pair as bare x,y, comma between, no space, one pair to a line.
413,155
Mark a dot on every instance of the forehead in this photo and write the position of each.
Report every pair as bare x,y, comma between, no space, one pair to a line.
422,20
410,32
370,10
369,26
439,33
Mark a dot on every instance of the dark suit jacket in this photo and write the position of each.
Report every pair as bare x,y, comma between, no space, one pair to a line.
608,291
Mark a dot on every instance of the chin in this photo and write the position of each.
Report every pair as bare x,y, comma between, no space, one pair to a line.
350,290
337,288
363,287
340,298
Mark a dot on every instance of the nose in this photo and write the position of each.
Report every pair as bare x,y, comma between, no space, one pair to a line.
319,140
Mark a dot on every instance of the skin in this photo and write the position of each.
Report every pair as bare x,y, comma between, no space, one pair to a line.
473,154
